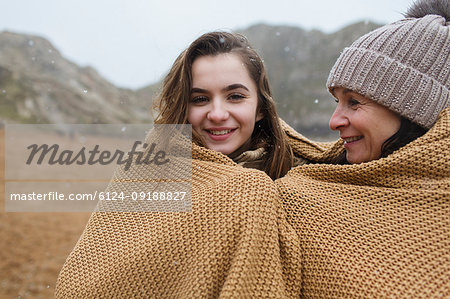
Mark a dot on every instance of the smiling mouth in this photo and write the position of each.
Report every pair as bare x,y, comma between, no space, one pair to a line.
219,132
352,139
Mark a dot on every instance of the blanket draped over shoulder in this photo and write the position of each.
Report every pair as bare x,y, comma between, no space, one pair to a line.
376,229
236,242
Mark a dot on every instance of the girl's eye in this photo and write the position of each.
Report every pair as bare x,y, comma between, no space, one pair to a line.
199,100
236,96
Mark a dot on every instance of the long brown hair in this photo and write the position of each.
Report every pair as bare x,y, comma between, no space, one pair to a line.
172,102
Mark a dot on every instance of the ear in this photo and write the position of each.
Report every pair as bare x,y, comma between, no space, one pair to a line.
259,116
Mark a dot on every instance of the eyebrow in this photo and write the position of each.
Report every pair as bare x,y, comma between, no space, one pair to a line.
235,86
346,90
228,88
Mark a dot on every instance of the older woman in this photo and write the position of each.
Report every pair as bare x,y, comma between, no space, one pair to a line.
378,226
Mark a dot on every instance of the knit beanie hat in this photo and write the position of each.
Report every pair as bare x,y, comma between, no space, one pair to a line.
404,66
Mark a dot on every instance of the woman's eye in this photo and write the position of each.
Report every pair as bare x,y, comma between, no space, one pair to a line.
236,96
352,102
199,100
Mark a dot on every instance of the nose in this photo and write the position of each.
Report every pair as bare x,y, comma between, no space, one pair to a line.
218,111
339,119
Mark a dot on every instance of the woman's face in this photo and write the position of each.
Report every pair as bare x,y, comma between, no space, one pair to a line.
223,103
363,124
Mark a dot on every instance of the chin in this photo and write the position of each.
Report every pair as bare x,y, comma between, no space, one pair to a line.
222,150
353,160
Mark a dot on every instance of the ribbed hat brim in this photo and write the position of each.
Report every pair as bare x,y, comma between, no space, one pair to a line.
400,88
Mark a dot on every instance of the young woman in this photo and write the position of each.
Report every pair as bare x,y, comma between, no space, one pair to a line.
378,226
236,241
220,86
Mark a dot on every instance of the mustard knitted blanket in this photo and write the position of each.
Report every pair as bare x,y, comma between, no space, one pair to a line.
235,243
377,229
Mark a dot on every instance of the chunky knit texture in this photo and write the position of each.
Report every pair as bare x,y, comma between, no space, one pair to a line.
235,243
404,66
227,246
379,229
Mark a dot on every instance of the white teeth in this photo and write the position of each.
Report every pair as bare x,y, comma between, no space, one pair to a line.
351,139
221,132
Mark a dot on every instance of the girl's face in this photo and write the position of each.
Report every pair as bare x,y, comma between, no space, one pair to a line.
224,102
363,124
